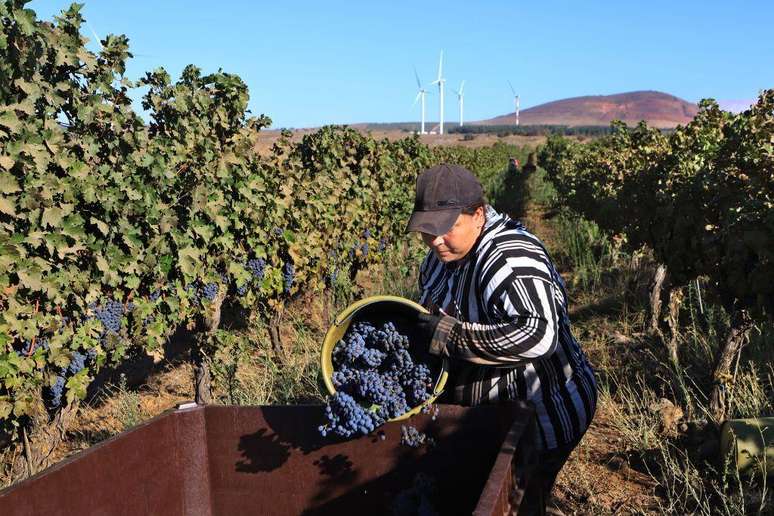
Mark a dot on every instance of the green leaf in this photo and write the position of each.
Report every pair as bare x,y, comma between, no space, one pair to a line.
5,409
7,162
166,263
10,120
7,206
103,228
20,407
188,259
52,217
8,183
31,279
132,282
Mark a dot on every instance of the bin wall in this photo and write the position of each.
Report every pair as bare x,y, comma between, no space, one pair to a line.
272,460
160,467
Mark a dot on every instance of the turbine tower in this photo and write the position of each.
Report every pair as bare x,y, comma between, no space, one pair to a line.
515,102
420,95
440,80
461,99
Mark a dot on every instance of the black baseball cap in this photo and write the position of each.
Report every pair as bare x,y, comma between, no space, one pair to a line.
443,192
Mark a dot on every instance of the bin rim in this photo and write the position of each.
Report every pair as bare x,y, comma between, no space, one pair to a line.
339,328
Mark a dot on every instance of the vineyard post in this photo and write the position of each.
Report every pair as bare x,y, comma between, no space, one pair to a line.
676,296
657,286
739,329
274,333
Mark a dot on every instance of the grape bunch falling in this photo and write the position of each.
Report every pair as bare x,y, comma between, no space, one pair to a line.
376,379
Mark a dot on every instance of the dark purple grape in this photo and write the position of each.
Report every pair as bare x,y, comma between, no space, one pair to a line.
288,272
373,367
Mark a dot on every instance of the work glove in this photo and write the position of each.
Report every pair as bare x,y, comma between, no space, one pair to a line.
424,326
431,333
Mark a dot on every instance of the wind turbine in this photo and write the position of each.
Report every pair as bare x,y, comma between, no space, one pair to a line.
515,101
461,99
421,94
440,80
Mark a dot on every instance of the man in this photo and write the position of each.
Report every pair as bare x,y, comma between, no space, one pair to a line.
500,315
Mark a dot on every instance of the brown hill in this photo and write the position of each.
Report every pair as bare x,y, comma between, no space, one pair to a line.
656,108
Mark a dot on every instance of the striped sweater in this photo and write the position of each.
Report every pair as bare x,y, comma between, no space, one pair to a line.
513,339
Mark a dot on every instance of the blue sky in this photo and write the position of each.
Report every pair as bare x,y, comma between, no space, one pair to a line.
314,63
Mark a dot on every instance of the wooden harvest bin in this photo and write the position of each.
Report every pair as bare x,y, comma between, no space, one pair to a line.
223,460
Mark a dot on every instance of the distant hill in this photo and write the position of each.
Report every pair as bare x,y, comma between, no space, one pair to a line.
656,108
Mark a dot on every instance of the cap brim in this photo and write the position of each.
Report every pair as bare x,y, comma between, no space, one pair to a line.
437,222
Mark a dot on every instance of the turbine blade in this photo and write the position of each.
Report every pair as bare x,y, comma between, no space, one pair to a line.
416,99
440,66
419,83
462,86
512,90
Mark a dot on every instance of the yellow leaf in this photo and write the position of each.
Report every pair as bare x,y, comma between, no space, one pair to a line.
6,162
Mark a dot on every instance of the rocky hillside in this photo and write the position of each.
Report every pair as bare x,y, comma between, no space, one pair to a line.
658,109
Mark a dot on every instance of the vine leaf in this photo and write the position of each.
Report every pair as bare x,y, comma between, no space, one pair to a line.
189,259
103,228
7,206
52,217
8,183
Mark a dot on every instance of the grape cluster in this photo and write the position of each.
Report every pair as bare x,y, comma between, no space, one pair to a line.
257,269
288,273
412,437
209,291
382,245
346,416
28,348
53,398
77,363
53,395
256,266
377,378
110,315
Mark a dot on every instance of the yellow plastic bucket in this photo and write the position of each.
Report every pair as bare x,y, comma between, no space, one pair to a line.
370,308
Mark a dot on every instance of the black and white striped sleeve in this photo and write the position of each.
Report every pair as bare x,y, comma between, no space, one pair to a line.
526,328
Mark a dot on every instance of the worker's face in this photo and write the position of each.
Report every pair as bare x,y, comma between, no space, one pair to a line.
459,240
